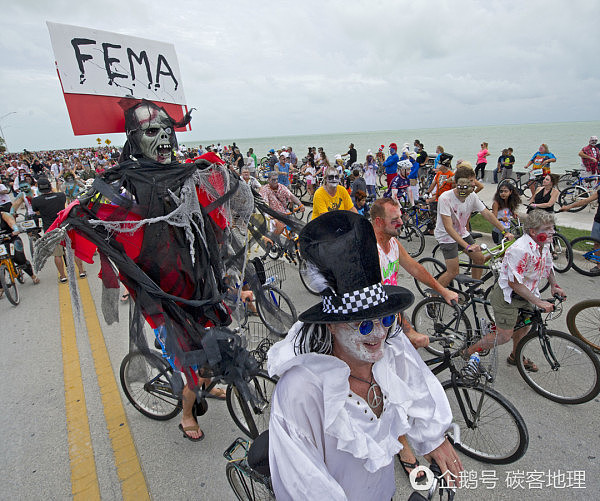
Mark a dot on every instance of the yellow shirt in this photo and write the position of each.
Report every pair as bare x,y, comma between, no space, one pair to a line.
324,202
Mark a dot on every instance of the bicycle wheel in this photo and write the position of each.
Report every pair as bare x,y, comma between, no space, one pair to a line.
412,239
491,429
304,279
583,321
572,194
576,379
245,487
562,253
584,256
145,382
434,317
275,309
565,181
9,286
252,418
435,269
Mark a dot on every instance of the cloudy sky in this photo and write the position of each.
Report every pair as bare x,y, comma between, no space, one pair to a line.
265,68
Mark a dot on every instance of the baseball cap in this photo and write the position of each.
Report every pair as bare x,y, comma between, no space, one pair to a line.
394,145
271,150
44,184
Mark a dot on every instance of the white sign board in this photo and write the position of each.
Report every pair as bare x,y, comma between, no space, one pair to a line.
102,63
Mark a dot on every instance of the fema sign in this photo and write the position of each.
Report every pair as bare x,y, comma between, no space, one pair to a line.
97,69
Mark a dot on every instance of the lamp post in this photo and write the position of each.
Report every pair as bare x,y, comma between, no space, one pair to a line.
1,131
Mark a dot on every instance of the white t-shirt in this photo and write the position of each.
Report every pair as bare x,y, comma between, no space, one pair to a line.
4,199
450,205
310,174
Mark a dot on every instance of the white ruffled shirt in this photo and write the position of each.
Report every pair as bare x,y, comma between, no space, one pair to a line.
524,263
325,442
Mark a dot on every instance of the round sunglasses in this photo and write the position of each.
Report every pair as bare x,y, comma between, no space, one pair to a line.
366,326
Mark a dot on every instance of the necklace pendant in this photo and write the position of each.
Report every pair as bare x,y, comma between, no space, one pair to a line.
373,399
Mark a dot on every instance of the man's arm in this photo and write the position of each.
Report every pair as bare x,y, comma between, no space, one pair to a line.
582,154
581,202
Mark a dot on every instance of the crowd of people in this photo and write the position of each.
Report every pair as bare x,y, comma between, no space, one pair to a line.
348,368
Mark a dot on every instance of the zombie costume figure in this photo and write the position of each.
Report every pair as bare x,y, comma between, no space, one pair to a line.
160,227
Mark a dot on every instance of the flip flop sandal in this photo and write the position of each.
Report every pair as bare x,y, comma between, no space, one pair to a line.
406,464
217,394
528,364
191,428
63,280
125,297
83,275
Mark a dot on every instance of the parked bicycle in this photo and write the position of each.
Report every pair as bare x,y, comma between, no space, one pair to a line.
586,255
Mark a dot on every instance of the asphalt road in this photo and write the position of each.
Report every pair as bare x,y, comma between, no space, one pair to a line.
35,457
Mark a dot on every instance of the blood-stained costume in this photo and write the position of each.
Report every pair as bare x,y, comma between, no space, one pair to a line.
159,227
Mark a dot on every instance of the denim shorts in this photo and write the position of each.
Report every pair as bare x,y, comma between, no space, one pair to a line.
596,230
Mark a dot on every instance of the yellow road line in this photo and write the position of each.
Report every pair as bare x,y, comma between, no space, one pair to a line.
129,471
84,481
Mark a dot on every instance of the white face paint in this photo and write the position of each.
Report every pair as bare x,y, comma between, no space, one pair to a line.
367,348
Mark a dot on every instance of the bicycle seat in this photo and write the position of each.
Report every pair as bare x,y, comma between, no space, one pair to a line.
467,280
258,454
520,174
476,235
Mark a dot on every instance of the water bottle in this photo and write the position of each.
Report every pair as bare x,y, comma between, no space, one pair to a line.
472,366
270,280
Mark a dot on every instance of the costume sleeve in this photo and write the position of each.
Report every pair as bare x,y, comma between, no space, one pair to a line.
515,262
296,458
429,415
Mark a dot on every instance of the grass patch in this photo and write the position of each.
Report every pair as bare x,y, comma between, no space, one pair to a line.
478,223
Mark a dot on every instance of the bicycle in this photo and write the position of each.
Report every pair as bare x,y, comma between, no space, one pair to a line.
249,476
579,187
586,251
491,428
572,373
10,272
149,383
583,321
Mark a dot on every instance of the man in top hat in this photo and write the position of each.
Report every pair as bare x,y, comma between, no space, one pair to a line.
350,384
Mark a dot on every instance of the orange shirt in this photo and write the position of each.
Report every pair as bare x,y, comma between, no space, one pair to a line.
443,182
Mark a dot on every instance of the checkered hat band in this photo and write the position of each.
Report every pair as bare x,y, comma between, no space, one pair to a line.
355,301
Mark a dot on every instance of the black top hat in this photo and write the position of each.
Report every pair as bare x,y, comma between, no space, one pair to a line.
341,252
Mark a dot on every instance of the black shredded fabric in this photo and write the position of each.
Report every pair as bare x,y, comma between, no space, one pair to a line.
164,282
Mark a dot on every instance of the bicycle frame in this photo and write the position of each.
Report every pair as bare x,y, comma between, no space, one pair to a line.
6,256
539,324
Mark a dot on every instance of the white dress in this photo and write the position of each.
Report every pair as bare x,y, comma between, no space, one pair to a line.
326,443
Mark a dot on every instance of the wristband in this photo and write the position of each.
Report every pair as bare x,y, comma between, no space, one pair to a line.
15,227
467,247
503,232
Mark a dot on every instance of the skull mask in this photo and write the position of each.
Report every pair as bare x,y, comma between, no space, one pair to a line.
151,133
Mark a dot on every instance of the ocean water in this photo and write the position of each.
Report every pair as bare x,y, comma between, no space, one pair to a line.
564,139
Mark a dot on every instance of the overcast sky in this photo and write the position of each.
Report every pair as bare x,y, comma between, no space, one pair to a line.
262,68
